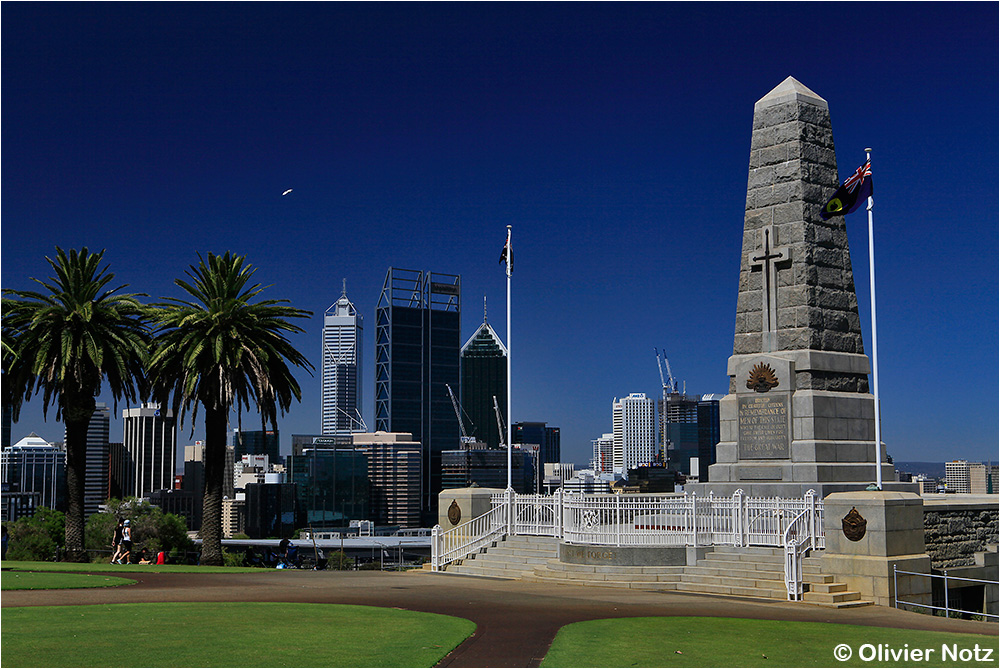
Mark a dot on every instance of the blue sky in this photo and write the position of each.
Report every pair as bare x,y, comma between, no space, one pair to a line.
614,138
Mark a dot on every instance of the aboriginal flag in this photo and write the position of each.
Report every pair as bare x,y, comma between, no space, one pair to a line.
856,189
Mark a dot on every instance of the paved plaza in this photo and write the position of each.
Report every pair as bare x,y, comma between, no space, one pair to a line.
516,621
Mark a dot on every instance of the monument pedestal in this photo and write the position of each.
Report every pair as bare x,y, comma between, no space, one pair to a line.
891,528
457,506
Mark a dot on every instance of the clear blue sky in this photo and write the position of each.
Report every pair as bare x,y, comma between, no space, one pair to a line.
613,137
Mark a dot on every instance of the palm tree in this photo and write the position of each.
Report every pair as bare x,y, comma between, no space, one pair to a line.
220,350
64,343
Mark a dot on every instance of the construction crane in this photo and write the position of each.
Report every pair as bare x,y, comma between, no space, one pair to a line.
465,438
672,387
503,432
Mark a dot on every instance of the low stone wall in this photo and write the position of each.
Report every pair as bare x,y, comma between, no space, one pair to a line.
956,527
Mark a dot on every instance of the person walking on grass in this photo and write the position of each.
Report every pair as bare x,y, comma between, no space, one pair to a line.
116,542
126,549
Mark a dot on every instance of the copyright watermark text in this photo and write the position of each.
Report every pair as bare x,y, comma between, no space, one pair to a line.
883,652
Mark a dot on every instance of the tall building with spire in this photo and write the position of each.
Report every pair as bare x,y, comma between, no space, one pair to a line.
484,376
342,330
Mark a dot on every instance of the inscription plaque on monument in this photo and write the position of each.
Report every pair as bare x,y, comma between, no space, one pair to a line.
763,426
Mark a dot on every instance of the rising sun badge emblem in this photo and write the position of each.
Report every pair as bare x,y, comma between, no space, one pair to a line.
762,378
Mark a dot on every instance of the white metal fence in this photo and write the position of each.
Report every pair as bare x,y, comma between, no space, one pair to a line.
947,609
795,524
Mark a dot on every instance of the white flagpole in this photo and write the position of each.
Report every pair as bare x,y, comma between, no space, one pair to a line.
871,272
510,423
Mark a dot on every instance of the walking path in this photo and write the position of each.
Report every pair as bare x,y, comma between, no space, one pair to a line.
515,621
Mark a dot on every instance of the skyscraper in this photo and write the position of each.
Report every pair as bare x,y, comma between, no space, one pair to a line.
342,330
484,376
95,486
633,418
150,437
417,330
33,465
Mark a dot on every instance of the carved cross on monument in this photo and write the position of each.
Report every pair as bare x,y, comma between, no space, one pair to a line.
766,257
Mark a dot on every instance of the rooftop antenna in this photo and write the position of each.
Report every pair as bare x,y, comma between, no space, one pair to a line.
484,308
344,294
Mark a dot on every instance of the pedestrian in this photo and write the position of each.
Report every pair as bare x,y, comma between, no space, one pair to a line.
126,550
116,541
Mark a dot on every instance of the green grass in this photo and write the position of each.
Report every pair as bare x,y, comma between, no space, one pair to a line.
227,635
737,642
29,580
103,567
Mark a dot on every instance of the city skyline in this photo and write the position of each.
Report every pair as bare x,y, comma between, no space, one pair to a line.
614,139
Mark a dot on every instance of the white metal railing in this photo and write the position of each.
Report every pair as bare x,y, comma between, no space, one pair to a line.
799,536
646,520
947,608
462,541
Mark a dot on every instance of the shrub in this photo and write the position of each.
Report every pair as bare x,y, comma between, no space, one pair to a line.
36,537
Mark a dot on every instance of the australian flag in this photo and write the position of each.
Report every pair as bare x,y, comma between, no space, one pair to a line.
856,189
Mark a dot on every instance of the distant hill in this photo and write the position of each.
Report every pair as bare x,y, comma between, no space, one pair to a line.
934,470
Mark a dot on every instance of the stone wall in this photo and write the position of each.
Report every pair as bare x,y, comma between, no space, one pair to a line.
955,530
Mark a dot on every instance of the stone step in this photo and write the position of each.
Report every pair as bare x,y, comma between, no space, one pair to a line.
739,591
731,581
827,587
555,565
807,568
511,559
831,597
523,552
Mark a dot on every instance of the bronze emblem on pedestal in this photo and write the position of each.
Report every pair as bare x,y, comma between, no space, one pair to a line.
454,513
762,378
854,525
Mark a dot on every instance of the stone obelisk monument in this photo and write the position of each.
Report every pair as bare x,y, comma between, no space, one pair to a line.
798,415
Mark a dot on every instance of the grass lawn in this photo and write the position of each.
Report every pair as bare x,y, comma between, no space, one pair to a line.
227,635
103,567
737,642
29,580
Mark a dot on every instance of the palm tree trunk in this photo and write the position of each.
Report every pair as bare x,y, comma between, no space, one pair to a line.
215,470
77,416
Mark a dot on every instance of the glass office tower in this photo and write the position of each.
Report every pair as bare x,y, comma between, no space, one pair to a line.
484,376
417,342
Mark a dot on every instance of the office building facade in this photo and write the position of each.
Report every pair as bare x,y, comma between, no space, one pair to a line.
342,354
394,472
33,465
487,468
98,456
256,442
417,343
689,428
331,486
546,437
484,377
150,438
633,420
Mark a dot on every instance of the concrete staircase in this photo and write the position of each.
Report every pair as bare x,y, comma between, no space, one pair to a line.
515,557
724,570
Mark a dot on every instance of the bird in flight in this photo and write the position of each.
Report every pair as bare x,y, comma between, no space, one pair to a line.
287,192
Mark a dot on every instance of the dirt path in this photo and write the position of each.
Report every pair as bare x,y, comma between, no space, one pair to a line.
515,621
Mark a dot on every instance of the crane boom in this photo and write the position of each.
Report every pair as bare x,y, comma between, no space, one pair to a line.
466,439
659,366
496,409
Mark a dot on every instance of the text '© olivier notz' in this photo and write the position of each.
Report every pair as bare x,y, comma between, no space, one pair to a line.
883,652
